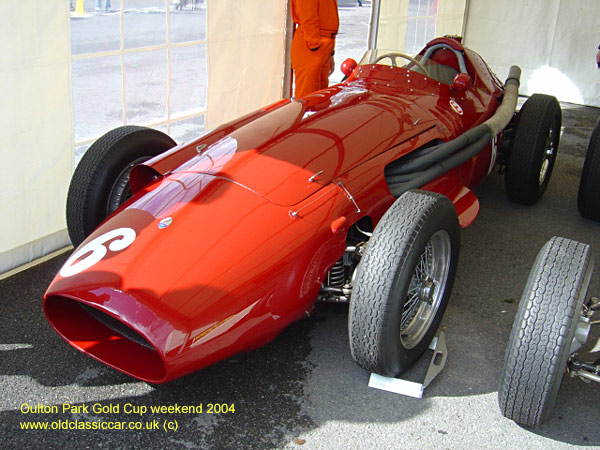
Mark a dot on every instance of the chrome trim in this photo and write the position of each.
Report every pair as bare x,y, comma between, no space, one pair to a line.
315,176
349,195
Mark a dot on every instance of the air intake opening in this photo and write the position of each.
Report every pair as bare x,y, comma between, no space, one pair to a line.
116,326
105,338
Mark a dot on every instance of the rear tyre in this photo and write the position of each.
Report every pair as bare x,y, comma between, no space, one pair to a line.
403,283
533,148
588,199
100,183
543,331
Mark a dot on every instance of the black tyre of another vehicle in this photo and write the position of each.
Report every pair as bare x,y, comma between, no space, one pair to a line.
543,331
403,283
588,199
100,183
533,148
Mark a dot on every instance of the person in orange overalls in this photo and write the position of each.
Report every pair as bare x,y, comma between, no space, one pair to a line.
313,44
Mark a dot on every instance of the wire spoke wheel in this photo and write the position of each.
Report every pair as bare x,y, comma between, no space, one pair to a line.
532,149
427,289
403,283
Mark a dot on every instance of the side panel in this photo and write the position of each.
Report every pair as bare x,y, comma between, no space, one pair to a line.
370,191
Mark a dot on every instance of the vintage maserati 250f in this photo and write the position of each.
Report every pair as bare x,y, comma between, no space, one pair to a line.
187,254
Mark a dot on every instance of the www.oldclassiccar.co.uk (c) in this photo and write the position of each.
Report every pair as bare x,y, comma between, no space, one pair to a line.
66,424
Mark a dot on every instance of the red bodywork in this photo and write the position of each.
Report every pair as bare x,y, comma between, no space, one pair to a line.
259,210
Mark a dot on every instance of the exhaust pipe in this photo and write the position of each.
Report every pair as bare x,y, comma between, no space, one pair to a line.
419,168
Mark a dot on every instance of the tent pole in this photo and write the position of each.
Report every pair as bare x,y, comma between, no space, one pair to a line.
287,67
374,26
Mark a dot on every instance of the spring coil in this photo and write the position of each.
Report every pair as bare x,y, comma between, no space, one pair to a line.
337,274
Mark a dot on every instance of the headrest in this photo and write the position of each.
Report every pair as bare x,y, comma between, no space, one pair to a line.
445,57
453,43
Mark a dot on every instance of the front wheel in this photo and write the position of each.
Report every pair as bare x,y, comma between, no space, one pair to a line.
100,183
543,332
403,283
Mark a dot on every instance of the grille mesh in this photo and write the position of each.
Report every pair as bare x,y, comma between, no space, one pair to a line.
116,326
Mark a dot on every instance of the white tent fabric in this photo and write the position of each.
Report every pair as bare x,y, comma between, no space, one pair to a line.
394,16
553,41
450,17
391,27
36,116
246,55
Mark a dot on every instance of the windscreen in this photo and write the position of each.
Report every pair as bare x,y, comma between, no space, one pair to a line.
442,71
388,57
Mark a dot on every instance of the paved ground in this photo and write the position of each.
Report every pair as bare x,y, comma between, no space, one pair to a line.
97,82
303,390
352,39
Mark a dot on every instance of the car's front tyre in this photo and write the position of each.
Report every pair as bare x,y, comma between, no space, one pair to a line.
403,283
100,183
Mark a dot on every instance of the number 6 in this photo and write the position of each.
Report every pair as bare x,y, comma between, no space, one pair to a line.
98,250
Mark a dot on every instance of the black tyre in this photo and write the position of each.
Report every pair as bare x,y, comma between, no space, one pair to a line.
543,331
588,199
100,183
403,283
532,150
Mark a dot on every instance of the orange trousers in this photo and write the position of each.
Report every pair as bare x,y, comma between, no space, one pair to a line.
311,69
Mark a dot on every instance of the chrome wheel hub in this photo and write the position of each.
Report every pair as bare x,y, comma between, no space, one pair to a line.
548,156
426,290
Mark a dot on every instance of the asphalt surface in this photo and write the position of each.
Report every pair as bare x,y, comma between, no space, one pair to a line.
303,390
98,82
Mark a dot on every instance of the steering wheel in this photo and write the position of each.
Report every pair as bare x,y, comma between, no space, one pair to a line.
393,56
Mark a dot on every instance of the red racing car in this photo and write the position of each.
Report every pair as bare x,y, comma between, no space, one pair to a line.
188,254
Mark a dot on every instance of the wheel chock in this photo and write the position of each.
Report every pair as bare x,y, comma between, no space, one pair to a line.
410,388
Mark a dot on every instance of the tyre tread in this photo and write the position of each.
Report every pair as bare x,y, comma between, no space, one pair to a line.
392,239
531,131
540,339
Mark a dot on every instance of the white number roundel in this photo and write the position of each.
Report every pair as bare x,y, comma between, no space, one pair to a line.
98,250
456,107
